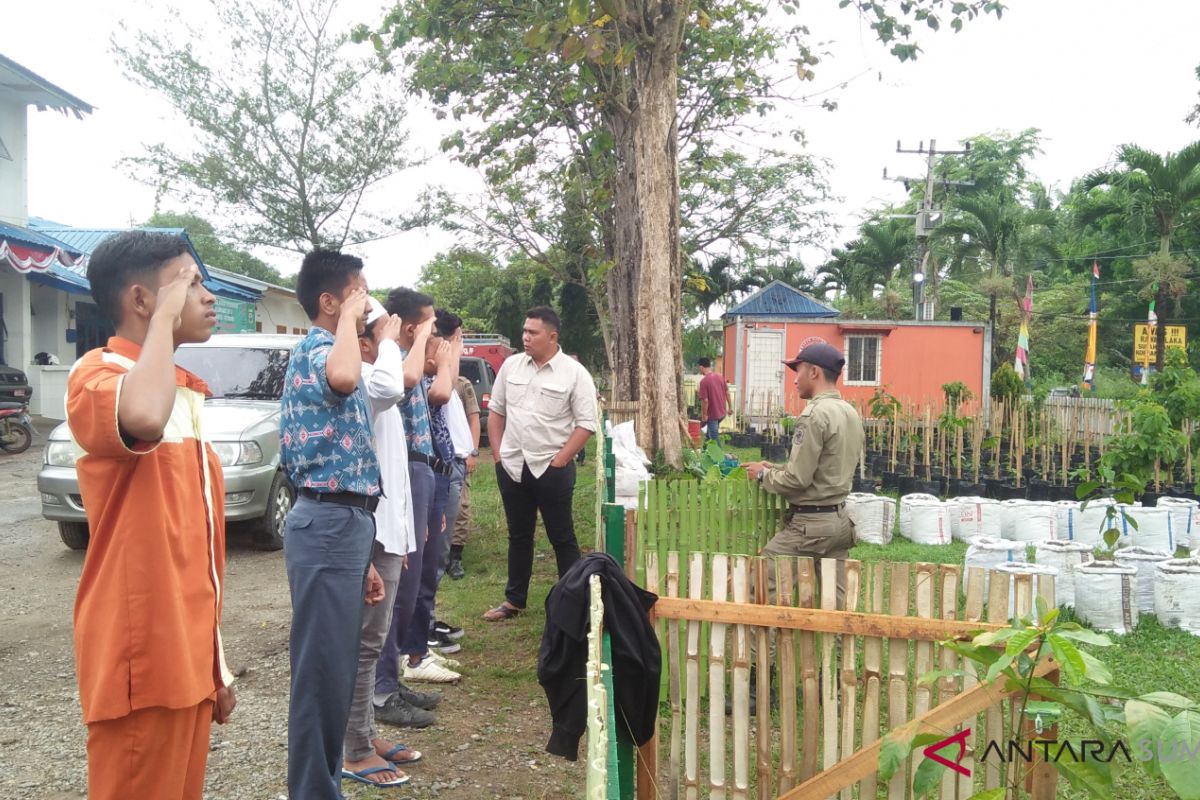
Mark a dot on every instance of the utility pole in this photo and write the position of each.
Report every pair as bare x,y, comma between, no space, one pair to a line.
929,216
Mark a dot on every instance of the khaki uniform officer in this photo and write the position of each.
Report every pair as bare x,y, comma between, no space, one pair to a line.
820,469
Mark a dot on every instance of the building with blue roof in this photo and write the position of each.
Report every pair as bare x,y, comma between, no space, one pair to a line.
45,298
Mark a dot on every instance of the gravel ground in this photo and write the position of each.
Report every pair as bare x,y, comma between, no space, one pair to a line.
487,744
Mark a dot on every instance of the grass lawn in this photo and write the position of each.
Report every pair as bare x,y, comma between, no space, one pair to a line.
501,659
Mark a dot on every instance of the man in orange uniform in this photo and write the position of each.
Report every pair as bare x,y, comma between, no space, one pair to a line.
151,669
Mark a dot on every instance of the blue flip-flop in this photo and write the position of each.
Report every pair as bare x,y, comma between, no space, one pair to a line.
390,755
363,776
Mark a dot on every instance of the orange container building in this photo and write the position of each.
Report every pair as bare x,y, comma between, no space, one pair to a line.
909,360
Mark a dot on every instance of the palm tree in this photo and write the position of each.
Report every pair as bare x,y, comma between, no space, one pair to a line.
844,274
996,236
1158,193
791,271
711,283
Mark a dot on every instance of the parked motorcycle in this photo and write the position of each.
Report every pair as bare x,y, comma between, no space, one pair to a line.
16,428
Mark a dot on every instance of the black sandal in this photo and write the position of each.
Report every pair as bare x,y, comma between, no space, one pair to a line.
502,612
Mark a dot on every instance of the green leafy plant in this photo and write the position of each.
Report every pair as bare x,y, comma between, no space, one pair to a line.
711,463
956,393
1153,442
1018,657
883,405
1108,486
787,423
1007,385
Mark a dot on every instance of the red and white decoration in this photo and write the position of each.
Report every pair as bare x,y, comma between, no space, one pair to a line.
24,258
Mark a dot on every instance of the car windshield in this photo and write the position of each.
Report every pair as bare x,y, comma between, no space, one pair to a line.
473,368
237,373
470,370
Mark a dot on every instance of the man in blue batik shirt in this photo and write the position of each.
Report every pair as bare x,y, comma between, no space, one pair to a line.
328,453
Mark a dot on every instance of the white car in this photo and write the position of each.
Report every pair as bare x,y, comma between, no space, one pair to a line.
245,374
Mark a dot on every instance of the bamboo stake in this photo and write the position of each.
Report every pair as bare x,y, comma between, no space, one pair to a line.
947,659
898,674
828,682
997,611
848,675
784,592
872,676
807,589
691,758
716,684
647,762
741,685
923,659
673,655
762,655
972,612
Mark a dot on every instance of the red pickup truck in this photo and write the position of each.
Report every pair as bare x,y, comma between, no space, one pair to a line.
491,347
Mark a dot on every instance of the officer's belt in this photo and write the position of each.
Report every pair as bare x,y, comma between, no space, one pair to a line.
817,509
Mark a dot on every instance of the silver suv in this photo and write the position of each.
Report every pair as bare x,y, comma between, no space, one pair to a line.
245,374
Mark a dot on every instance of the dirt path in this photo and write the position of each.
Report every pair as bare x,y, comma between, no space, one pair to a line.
487,744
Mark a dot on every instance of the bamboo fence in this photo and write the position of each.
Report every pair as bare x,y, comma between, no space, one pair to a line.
845,676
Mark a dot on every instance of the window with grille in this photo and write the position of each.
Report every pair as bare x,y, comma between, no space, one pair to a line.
863,358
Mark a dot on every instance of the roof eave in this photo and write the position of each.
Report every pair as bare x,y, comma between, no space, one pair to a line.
39,92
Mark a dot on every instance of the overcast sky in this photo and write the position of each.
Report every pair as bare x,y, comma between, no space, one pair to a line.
1092,74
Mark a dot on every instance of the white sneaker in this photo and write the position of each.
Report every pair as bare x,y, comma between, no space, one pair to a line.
429,671
448,663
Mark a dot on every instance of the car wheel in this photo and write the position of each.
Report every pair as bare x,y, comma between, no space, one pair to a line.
269,535
75,535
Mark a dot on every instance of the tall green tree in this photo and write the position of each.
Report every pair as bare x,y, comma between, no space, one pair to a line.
1156,194
996,238
290,129
604,77
215,252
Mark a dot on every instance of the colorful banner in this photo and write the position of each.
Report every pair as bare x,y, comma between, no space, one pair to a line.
1089,359
1021,363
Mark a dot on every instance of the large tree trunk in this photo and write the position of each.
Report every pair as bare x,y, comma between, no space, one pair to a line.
645,287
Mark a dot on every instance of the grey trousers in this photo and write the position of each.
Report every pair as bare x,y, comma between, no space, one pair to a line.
827,535
327,549
360,731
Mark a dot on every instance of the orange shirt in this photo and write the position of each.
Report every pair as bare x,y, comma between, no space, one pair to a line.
147,613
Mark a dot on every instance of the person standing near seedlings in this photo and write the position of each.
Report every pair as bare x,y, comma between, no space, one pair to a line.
543,411
149,661
819,473
714,399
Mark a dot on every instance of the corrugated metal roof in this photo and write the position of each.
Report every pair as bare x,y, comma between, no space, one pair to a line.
35,238
88,239
777,299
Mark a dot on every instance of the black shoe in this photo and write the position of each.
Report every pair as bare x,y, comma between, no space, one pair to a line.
447,630
425,700
455,569
443,644
395,711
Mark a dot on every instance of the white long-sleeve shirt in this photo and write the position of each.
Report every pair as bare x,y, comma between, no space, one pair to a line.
394,524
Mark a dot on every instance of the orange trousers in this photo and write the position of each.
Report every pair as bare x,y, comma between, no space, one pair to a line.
151,754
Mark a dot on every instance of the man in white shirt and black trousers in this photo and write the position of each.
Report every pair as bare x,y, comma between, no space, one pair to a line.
542,412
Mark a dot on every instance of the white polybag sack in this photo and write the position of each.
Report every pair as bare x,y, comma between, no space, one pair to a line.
1177,594
1106,596
974,516
874,517
1065,556
1144,561
1153,529
989,552
1185,520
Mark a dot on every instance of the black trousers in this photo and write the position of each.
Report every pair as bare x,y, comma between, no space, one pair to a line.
551,495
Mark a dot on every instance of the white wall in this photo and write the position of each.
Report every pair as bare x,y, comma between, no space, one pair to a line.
17,348
277,308
14,199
